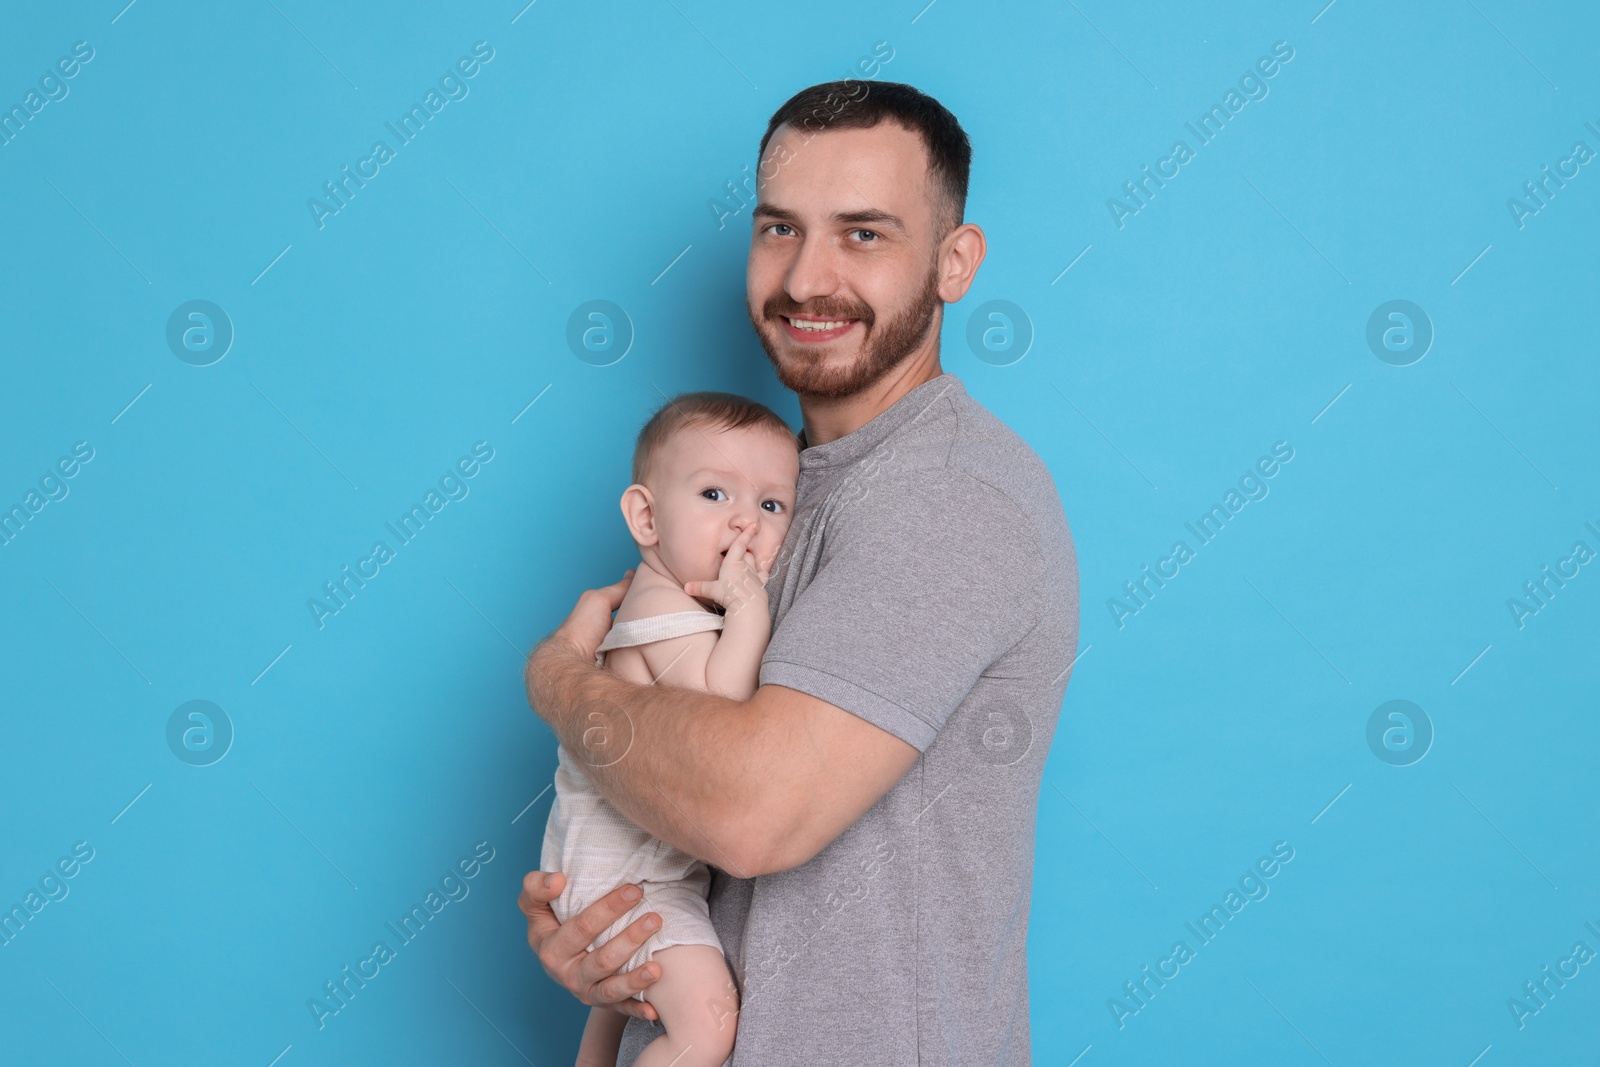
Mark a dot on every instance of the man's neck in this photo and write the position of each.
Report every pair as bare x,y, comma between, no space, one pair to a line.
830,418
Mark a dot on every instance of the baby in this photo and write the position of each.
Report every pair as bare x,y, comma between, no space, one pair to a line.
713,487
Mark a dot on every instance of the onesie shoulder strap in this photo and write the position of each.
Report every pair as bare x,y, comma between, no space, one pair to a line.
659,628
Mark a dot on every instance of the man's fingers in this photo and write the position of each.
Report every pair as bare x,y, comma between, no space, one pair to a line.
539,888
534,902
625,985
579,931
590,619
562,948
602,963
639,1009
615,591
607,598
608,595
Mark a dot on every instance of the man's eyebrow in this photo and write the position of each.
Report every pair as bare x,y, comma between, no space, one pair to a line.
869,216
769,211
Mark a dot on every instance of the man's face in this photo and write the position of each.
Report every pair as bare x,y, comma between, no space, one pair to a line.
842,283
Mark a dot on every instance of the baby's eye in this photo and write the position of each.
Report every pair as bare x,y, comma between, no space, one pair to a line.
714,494
773,506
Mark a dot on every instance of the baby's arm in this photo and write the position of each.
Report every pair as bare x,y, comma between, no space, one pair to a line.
734,666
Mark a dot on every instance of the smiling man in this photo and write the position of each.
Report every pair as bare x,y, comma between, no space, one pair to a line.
870,811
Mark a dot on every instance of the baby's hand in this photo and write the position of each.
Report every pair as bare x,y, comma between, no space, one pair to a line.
741,581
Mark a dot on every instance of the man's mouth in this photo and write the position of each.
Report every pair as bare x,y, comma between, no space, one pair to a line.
808,329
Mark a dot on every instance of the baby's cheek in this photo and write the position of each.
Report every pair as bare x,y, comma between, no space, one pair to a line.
773,536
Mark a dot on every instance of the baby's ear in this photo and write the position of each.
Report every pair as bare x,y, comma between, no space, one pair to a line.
638,511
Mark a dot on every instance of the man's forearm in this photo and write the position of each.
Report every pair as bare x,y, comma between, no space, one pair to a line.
679,763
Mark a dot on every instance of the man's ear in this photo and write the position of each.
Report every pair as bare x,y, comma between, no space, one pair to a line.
639,512
960,253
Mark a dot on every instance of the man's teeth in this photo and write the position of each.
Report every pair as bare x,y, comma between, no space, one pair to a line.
818,327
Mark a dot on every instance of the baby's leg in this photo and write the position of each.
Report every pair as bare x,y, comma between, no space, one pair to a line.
602,1038
698,1005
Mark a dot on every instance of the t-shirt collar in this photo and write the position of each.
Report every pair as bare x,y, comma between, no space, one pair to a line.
852,446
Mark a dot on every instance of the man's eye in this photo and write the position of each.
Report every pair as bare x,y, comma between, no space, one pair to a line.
714,494
773,506
780,229
866,236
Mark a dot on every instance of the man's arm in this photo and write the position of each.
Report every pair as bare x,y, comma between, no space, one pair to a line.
750,786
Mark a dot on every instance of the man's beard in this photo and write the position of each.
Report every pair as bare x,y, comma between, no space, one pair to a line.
885,348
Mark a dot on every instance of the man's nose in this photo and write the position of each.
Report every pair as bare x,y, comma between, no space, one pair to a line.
813,273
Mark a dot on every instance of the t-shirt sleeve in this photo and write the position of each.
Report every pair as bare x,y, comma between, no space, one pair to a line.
922,584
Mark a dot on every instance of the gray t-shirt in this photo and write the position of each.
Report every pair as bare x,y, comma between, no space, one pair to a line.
928,584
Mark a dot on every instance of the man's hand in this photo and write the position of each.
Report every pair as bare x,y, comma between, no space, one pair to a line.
563,948
579,635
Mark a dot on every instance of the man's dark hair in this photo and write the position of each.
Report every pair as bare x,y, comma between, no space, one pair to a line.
855,104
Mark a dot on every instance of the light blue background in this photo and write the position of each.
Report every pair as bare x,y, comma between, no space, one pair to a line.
372,353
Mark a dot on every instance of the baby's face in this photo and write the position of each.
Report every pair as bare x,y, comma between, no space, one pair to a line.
709,484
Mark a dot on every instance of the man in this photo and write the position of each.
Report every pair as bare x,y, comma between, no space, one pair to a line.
870,811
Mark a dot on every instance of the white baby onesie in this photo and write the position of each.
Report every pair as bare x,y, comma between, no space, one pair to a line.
598,849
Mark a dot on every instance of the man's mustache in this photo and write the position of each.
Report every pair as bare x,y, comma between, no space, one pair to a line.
782,305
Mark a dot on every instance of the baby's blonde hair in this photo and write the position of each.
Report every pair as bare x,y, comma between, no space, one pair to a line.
712,410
